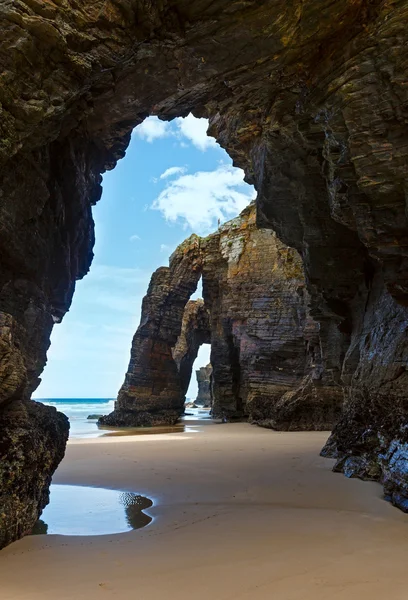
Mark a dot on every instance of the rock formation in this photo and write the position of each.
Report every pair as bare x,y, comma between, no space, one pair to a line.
32,436
265,347
312,103
32,444
152,393
195,331
204,394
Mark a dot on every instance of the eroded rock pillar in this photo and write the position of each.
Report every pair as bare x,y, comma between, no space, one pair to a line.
195,331
204,381
152,393
265,346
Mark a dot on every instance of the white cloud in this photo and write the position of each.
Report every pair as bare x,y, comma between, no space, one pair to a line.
172,171
165,248
152,129
203,197
184,128
134,238
195,130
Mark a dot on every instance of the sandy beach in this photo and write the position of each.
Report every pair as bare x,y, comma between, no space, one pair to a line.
239,513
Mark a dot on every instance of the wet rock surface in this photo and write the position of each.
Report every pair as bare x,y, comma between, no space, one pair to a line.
32,444
312,103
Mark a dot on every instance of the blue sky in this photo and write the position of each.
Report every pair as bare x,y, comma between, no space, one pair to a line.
174,180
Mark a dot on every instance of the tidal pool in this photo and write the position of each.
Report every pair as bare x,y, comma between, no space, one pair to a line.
79,510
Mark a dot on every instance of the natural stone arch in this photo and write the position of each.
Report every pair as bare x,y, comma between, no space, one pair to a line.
292,92
153,391
119,61
195,331
265,348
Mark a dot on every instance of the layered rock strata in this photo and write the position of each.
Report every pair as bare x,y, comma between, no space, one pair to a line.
32,436
32,444
312,103
153,393
265,347
195,331
204,382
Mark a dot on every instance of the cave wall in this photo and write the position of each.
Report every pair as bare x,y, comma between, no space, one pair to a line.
312,103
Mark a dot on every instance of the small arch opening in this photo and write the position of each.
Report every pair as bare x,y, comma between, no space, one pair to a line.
199,393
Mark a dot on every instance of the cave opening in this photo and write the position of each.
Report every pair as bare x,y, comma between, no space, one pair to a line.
173,181
199,389
196,377
328,160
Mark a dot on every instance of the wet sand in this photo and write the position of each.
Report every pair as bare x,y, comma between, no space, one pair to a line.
240,513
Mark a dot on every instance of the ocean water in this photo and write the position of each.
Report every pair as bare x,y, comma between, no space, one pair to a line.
78,410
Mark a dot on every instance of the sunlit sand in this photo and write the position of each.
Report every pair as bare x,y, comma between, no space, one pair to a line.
239,513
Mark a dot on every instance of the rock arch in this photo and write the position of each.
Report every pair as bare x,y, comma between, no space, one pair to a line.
265,348
311,102
153,391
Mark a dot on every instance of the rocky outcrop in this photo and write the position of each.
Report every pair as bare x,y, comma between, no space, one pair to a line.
312,103
152,393
204,394
32,436
370,441
32,443
265,349
165,345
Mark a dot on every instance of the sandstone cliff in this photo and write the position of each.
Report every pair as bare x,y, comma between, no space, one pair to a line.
152,392
265,347
312,103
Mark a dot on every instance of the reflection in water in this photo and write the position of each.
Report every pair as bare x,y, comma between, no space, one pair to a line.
192,422
78,510
160,429
134,506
